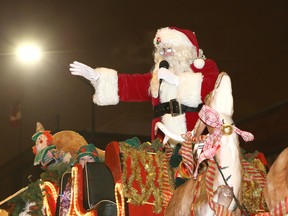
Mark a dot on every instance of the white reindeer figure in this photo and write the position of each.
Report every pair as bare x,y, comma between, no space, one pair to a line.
222,143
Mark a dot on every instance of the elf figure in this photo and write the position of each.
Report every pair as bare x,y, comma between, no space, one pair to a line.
177,85
43,148
86,154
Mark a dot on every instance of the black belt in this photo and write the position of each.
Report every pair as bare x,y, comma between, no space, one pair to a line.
174,108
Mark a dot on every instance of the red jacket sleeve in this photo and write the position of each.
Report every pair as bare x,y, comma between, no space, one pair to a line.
134,87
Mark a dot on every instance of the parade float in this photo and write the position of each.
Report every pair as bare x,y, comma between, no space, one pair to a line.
140,181
193,164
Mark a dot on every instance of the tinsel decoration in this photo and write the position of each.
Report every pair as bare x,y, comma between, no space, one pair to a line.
252,194
142,176
252,190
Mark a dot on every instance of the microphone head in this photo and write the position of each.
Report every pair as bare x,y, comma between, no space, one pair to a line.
164,64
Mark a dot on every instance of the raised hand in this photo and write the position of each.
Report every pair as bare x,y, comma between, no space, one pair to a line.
80,69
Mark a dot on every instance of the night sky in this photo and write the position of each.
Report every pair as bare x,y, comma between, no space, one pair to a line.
248,40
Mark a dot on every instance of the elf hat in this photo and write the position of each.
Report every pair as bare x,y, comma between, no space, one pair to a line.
179,37
88,150
39,130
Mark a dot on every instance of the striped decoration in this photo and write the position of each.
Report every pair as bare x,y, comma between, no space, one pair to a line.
167,190
280,210
263,214
187,157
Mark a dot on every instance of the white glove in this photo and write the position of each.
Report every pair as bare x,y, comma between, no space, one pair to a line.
168,76
81,69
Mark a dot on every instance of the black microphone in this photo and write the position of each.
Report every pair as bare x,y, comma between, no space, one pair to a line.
163,64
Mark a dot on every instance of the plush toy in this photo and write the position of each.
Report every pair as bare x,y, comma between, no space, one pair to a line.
177,86
67,143
60,147
86,154
50,149
71,142
43,146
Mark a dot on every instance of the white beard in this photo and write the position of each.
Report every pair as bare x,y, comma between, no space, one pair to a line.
175,66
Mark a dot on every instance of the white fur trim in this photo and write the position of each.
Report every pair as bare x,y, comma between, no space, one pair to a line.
176,124
172,37
189,91
106,87
167,91
199,63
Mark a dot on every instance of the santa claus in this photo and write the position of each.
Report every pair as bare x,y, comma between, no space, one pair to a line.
177,85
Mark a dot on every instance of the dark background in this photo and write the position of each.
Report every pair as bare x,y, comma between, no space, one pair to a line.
247,39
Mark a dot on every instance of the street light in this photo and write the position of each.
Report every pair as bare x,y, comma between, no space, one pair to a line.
29,53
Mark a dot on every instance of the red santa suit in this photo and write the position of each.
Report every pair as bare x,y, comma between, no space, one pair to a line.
180,49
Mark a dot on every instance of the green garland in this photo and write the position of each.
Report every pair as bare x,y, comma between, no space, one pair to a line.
55,173
32,194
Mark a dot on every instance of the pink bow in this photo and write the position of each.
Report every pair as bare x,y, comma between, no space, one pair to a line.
212,118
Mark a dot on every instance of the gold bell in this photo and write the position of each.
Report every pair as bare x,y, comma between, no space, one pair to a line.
227,129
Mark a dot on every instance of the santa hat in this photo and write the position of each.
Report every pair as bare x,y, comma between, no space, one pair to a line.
179,37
